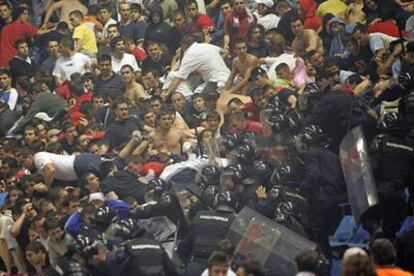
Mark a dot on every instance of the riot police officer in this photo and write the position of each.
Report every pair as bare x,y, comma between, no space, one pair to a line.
392,161
208,228
336,113
137,256
324,188
165,203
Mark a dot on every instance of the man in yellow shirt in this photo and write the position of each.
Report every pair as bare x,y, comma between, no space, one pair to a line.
84,37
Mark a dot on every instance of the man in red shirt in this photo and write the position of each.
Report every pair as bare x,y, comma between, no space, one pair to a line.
238,123
199,22
130,48
237,23
12,32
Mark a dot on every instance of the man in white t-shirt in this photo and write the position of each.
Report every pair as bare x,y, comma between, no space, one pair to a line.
202,58
55,166
120,58
69,62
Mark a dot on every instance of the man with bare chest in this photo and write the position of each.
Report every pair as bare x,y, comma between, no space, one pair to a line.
242,65
134,92
172,138
65,7
305,40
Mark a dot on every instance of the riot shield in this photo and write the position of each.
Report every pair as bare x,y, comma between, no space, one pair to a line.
265,116
271,149
359,179
185,194
161,227
214,149
267,242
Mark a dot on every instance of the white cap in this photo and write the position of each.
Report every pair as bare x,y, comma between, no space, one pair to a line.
43,116
267,3
96,196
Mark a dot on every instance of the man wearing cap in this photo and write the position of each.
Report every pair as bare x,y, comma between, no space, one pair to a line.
53,135
260,78
267,19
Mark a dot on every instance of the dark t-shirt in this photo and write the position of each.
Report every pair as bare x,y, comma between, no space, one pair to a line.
135,30
124,183
260,51
119,132
159,66
111,87
67,147
361,63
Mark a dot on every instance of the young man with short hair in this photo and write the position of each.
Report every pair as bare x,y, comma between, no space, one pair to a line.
119,57
108,83
37,256
305,40
53,55
84,37
242,65
22,64
8,94
69,61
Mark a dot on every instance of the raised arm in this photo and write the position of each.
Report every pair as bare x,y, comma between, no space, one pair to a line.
55,6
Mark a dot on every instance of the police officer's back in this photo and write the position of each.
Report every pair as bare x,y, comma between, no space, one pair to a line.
211,226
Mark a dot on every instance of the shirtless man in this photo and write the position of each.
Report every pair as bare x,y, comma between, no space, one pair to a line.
354,12
243,63
305,40
134,92
165,134
65,7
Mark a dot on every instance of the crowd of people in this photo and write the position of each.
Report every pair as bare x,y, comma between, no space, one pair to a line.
128,125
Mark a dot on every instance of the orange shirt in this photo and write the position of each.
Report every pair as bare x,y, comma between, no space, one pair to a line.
392,271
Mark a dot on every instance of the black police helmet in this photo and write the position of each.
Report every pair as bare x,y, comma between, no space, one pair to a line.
208,195
310,132
210,175
75,269
230,141
244,153
157,185
129,228
87,246
260,170
103,217
226,201
275,194
392,121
